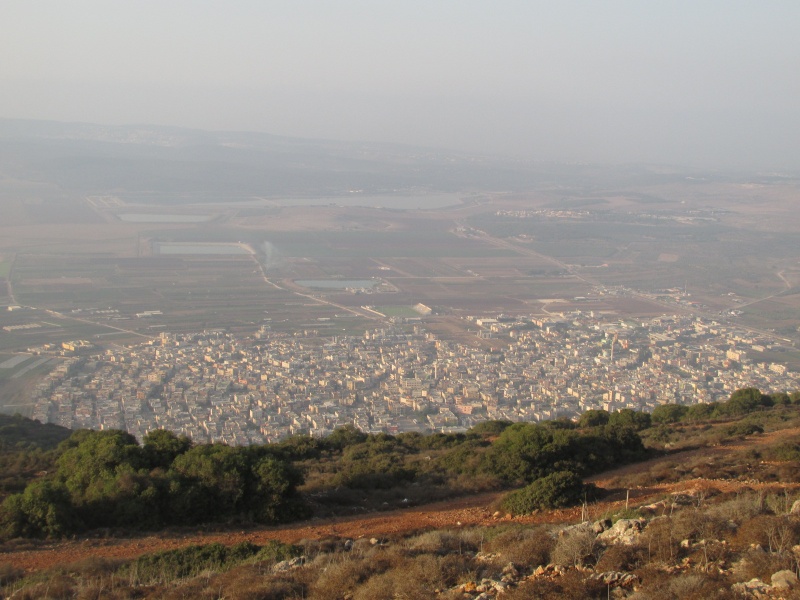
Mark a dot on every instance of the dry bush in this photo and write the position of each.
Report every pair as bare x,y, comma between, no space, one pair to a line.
780,503
788,472
772,533
576,548
439,542
525,547
573,584
336,579
476,538
9,574
380,587
663,473
313,548
417,578
243,583
21,545
686,586
93,566
197,588
739,508
98,590
710,552
633,480
621,558
757,563
57,587
660,542
693,524
248,583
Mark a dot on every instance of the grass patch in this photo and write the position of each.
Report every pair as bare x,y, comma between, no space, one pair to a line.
171,565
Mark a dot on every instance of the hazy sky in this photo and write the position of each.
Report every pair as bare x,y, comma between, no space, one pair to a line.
707,83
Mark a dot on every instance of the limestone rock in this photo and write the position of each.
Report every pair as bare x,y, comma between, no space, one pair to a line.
511,572
784,580
624,531
616,578
288,565
586,526
601,525
755,588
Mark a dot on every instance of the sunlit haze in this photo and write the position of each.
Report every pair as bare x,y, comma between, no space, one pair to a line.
711,83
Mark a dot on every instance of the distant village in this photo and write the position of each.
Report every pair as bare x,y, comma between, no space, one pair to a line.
213,386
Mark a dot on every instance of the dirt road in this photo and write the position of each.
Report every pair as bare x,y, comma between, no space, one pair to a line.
462,512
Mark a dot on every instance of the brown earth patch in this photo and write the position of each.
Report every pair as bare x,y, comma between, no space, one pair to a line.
462,512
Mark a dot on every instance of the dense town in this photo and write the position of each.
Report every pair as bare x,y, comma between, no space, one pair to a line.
213,386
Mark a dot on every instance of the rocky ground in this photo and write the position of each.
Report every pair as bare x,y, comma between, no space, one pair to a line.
462,512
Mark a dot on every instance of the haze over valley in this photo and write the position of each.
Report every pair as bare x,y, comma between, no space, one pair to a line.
522,277
115,237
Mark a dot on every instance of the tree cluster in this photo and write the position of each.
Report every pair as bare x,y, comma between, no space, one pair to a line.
106,479
742,402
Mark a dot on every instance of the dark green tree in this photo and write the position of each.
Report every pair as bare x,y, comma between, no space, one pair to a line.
700,412
490,428
345,436
593,418
43,509
161,447
630,418
208,482
526,451
742,402
668,413
781,399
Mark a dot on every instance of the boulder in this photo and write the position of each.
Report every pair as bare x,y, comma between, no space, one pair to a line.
511,571
624,531
784,580
586,526
601,525
288,565
755,588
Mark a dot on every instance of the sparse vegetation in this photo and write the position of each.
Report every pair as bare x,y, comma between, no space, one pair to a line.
690,546
106,479
708,546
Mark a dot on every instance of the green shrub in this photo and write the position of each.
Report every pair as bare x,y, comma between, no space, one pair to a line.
784,452
490,428
164,567
560,489
744,428
276,551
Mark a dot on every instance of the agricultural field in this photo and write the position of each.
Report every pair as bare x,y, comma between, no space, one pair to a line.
118,264
524,253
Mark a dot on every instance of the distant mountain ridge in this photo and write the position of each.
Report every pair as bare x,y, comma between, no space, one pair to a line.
90,159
